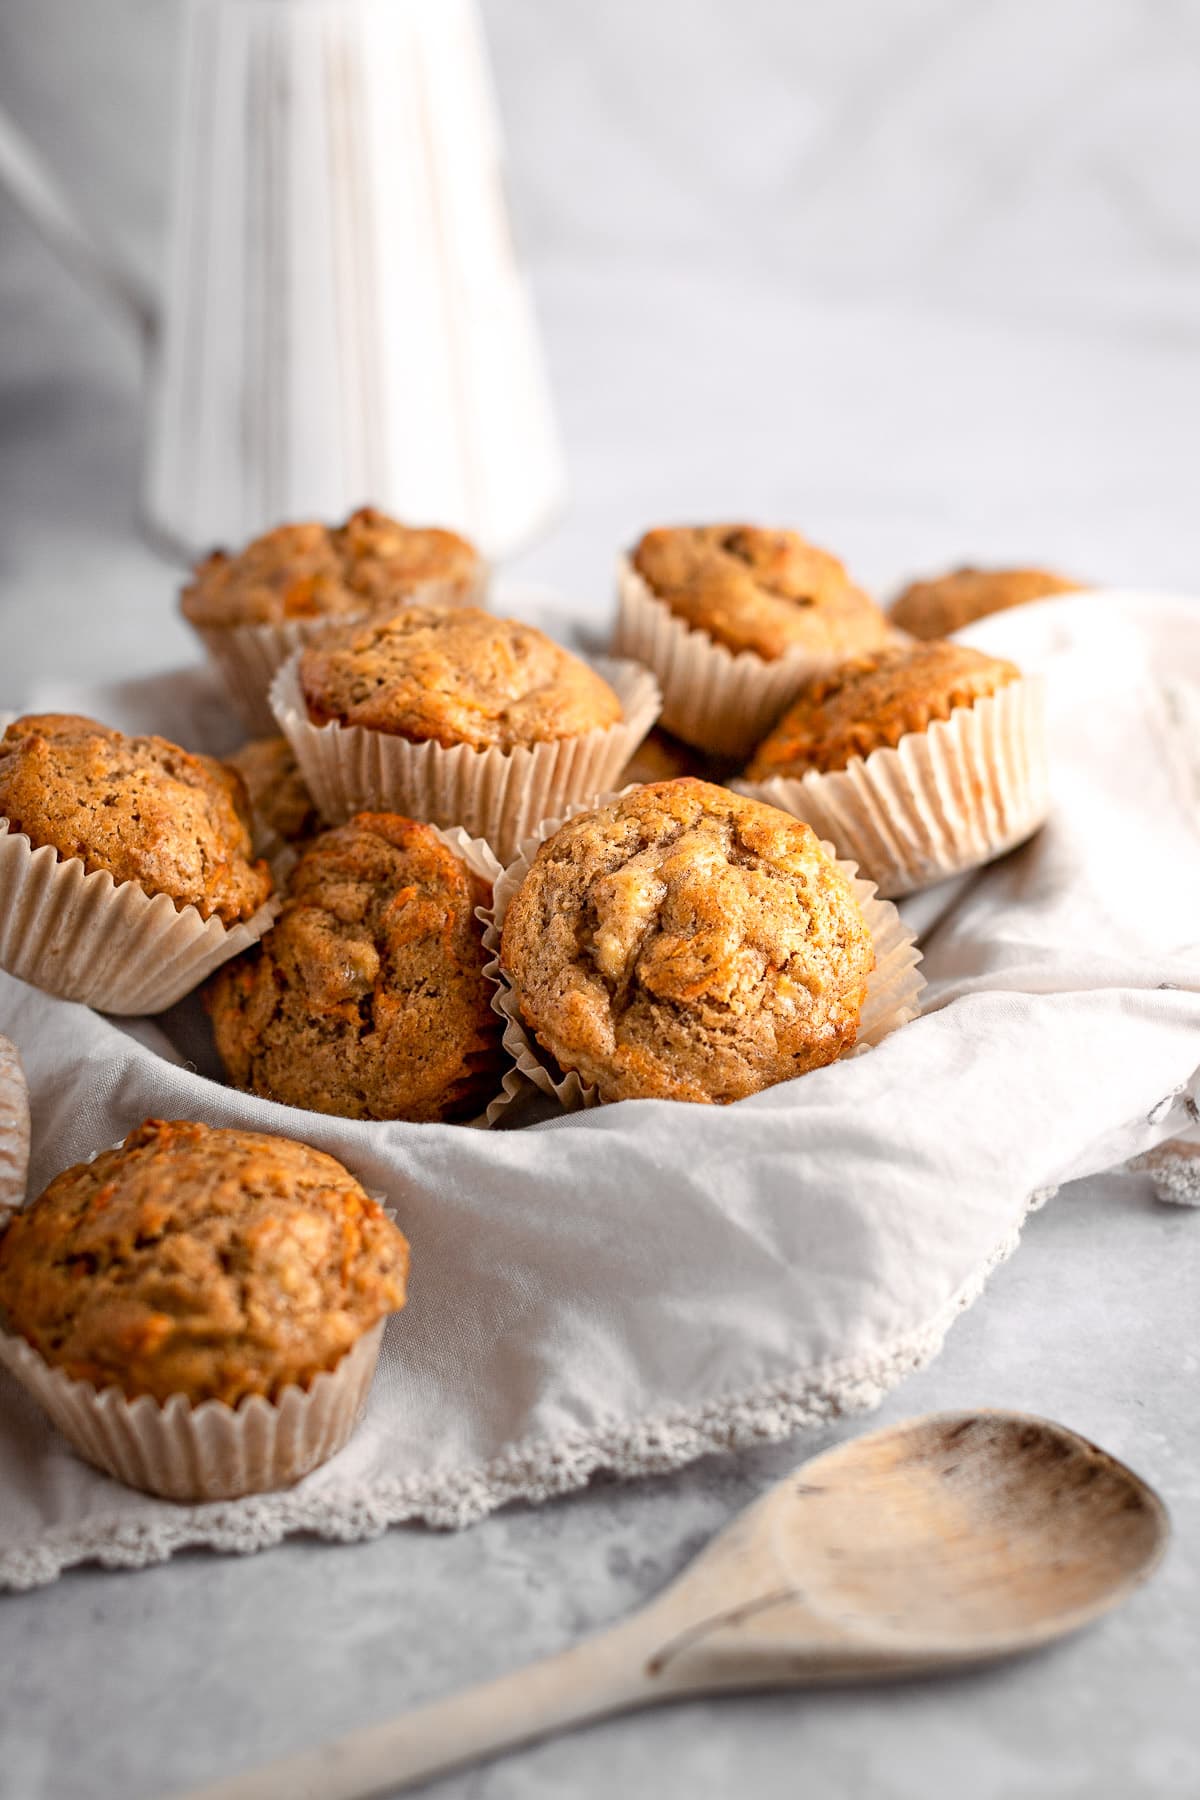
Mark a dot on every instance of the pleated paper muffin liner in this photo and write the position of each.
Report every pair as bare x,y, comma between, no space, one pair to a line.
247,656
720,701
500,795
478,856
106,943
14,1130
892,998
946,799
207,1452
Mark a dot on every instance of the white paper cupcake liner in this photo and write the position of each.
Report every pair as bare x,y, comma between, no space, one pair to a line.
892,999
500,795
106,943
945,799
206,1452
479,858
247,656
14,1130
717,700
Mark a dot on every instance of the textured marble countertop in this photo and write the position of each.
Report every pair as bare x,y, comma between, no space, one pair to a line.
909,430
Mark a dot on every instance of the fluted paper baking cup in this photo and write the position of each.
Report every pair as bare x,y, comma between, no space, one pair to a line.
210,1451
719,700
892,999
479,858
87,937
14,1130
247,656
946,799
500,795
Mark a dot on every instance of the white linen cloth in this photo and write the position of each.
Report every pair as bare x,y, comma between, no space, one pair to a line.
630,1287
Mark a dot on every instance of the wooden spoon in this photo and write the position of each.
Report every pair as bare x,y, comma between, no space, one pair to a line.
945,1541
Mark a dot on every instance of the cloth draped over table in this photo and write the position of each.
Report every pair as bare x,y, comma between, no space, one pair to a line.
631,1287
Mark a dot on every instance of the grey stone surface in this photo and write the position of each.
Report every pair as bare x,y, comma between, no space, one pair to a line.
139,1684
924,279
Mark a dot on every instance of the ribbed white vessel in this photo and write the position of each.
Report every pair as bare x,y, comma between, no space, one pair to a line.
345,318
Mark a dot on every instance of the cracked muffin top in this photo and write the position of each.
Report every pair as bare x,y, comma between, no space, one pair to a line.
204,1262
933,609
367,998
771,592
453,676
140,807
279,800
875,701
307,570
685,943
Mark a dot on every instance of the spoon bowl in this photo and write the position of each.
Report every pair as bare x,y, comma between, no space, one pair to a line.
949,1539
937,1543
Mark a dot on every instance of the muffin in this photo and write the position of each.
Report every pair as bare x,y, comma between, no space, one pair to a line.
876,700
451,678
769,592
283,810
311,571
917,762
457,718
368,998
732,618
684,943
140,807
195,1265
126,869
661,757
933,609
253,609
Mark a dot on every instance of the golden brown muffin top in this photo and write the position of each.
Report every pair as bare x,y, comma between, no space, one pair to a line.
875,701
279,799
308,570
933,609
684,943
368,997
140,807
751,589
453,676
204,1262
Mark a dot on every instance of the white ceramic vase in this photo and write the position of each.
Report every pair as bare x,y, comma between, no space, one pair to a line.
344,318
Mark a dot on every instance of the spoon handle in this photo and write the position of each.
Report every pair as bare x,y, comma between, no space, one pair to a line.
602,1675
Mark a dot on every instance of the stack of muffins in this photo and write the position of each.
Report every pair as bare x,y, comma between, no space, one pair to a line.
455,859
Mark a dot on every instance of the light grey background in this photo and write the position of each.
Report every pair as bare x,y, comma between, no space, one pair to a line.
925,280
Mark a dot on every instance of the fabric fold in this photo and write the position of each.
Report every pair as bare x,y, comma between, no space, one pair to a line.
636,1285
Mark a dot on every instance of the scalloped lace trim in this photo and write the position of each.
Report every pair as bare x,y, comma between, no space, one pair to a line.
532,1472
